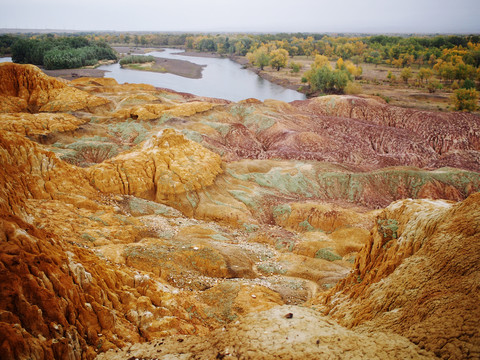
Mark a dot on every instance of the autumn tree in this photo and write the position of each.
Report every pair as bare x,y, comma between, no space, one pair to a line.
260,57
465,99
424,74
279,58
320,60
406,74
354,70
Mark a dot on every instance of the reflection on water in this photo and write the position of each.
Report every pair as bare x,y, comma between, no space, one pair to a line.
221,78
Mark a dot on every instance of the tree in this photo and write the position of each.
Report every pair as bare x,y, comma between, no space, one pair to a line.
340,64
352,69
425,74
468,84
321,60
260,57
326,80
465,99
279,58
406,74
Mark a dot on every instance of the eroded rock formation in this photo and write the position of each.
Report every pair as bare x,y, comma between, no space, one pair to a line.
132,214
418,276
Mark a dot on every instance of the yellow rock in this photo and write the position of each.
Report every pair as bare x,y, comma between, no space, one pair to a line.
159,169
25,88
39,124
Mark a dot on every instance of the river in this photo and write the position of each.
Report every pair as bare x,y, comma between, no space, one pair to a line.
221,78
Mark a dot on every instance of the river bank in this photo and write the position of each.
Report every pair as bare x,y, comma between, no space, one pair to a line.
282,78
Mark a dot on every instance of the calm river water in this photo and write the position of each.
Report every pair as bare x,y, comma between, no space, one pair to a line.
221,78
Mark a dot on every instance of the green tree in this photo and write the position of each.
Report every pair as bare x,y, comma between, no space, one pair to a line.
279,59
468,84
326,80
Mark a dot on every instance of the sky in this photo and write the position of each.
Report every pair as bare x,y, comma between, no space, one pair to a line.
358,16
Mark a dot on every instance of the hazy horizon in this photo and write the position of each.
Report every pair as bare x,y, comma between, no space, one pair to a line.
267,16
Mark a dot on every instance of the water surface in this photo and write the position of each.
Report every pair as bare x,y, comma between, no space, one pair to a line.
221,78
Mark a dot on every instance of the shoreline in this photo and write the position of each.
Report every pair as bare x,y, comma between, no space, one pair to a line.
244,62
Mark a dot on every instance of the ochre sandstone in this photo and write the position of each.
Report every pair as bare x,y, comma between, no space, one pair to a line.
153,224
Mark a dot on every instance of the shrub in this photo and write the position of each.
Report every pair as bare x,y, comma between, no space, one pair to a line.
136,59
295,67
353,88
326,80
468,84
465,99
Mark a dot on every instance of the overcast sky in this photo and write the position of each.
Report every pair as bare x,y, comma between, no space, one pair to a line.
407,16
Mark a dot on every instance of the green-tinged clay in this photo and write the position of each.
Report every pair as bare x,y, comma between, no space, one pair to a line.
192,135
283,243
223,129
246,198
145,207
88,237
270,268
327,254
306,226
249,228
282,212
388,228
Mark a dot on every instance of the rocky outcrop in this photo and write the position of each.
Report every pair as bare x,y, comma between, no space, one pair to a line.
29,172
418,277
25,88
39,125
280,333
165,166
58,301
443,132
349,130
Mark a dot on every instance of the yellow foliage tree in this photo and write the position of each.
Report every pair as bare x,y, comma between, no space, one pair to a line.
320,61
279,58
352,69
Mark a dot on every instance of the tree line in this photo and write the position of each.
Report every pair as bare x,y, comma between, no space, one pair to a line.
59,52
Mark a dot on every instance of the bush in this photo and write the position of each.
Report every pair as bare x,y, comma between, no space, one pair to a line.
295,67
468,84
136,59
353,88
326,80
465,99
